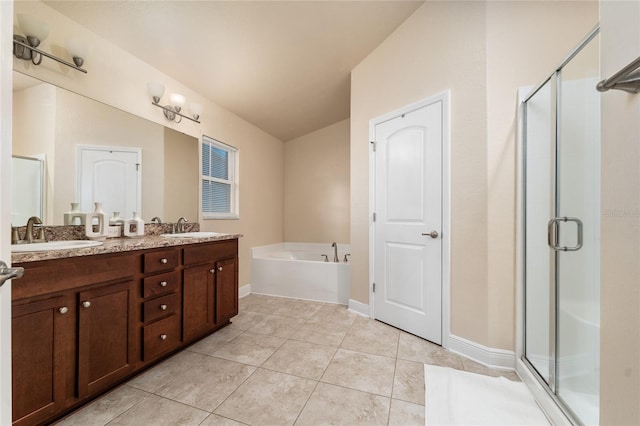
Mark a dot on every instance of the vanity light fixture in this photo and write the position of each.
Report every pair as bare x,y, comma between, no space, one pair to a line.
25,47
173,110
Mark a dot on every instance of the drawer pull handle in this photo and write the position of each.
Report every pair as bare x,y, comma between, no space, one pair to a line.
219,268
163,283
163,337
163,307
63,310
213,271
163,261
86,304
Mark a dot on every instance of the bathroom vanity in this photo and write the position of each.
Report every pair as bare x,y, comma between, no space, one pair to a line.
85,320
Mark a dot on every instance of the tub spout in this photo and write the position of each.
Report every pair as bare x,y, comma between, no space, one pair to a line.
335,252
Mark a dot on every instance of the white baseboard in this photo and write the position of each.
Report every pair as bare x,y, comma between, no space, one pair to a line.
245,290
359,308
491,357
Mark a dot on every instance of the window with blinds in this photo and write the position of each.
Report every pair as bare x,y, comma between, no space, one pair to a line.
219,180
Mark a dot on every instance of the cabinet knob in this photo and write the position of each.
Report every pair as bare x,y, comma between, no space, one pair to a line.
86,304
163,260
163,307
219,268
163,337
163,283
213,271
63,310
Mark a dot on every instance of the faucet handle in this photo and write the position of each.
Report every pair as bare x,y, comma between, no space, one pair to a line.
41,234
15,237
326,257
346,258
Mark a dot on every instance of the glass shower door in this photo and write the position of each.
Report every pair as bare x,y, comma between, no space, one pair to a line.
561,232
578,271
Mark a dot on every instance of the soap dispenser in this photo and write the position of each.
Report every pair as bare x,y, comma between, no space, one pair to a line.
101,218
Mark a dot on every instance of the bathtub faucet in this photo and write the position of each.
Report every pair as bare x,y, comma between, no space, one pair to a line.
335,252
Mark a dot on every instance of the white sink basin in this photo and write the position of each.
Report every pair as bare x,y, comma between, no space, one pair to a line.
54,245
202,234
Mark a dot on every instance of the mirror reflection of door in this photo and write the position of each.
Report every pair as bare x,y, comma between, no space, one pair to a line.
111,176
27,188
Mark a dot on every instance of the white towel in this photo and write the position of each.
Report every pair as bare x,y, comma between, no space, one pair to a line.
455,397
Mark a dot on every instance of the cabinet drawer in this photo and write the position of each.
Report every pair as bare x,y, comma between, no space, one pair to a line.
161,336
158,284
202,253
158,261
160,307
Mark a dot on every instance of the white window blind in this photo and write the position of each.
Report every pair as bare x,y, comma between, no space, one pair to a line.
219,180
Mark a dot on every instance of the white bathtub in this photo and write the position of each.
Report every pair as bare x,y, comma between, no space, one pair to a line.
298,270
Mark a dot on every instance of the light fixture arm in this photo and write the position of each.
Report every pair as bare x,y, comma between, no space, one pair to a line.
55,58
171,112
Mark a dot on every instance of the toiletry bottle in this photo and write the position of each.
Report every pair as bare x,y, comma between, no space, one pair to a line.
134,221
99,216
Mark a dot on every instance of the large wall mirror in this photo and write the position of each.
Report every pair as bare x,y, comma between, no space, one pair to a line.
55,124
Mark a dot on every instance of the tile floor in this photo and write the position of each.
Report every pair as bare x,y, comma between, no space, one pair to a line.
282,362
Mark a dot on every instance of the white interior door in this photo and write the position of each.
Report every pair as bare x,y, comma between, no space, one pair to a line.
408,222
6,73
109,175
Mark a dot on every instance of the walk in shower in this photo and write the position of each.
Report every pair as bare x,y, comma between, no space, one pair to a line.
560,233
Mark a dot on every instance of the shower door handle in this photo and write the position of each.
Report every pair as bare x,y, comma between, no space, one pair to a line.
553,228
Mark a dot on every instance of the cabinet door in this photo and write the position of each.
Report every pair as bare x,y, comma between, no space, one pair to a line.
106,344
198,300
38,346
226,290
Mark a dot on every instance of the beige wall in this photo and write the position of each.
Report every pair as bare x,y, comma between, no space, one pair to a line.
620,226
118,78
481,52
316,186
181,177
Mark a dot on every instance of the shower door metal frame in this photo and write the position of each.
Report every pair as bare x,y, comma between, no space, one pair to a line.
554,407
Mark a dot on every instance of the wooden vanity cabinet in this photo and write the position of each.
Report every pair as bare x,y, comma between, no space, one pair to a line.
38,339
72,335
210,287
106,336
81,325
162,304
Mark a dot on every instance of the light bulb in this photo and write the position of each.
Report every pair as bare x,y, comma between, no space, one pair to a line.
78,49
35,29
196,109
156,90
177,100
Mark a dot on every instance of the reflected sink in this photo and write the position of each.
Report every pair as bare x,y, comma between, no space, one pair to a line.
54,245
202,234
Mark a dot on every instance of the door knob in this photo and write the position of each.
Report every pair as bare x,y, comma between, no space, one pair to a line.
433,234
63,310
219,268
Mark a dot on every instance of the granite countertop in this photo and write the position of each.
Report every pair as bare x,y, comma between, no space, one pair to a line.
117,245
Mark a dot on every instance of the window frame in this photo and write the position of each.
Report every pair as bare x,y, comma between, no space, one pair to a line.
233,181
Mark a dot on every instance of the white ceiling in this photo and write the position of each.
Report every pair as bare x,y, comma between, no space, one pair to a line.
282,65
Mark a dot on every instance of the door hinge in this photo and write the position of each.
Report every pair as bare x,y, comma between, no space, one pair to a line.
373,144
374,287
374,217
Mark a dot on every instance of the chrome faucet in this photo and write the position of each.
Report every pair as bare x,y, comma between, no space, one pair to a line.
181,221
28,235
156,219
335,252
